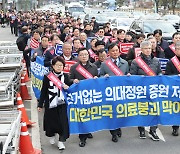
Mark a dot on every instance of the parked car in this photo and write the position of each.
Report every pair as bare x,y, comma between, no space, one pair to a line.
122,23
173,19
148,26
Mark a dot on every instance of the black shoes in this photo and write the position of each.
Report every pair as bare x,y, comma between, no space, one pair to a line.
114,138
82,143
175,132
142,135
153,135
89,136
119,133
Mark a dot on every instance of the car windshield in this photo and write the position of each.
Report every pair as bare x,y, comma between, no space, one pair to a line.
166,27
124,23
172,17
76,9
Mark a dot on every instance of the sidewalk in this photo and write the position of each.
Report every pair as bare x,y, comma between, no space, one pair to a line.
31,106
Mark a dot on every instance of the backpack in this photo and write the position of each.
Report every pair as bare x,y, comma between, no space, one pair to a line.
21,43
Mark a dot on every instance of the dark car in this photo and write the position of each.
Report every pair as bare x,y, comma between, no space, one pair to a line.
148,26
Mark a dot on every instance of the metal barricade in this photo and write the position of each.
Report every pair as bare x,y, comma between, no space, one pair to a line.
9,50
10,131
7,43
10,61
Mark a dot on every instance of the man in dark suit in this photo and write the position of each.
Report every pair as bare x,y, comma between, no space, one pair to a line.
107,71
84,42
76,76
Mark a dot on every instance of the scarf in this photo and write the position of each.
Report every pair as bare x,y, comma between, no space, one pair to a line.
56,96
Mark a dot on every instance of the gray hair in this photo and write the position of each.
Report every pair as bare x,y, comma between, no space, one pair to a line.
66,43
177,44
145,43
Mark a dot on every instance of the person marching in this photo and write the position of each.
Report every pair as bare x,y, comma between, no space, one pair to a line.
148,65
76,74
52,97
114,65
173,69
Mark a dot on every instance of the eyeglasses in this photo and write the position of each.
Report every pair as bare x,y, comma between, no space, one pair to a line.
101,31
147,48
84,55
60,65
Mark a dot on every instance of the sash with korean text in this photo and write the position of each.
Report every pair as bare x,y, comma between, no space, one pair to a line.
172,47
144,67
114,68
55,80
84,72
176,63
93,55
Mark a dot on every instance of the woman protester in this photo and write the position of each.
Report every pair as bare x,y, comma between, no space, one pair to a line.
55,115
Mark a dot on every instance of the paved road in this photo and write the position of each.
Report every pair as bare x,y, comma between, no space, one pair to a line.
129,143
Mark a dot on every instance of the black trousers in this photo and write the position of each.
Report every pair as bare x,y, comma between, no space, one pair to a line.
175,127
152,128
83,137
115,131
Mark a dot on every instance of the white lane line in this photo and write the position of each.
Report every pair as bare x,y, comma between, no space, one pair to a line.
158,132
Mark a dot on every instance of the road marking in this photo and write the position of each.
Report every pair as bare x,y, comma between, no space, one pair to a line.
158,132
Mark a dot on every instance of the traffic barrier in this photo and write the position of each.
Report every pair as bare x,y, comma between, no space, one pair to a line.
26,78
25,73
25,145
23,90
20,107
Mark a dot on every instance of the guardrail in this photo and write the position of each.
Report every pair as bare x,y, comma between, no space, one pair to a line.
10,131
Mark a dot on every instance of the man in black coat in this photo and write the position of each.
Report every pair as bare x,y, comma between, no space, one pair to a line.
169,52
172,70
153,64
76,76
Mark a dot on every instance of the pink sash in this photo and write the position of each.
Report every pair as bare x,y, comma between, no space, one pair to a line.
172,47
114,68
55,80
93,55
84,72
144,66
176,63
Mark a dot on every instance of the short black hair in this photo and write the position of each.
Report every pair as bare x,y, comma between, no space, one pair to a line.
149,34
53,35
74,28
45,37
56,59
120,31
36,31
158,31
75,39
81,49
99,43
176,33
112,45
140,35
100,51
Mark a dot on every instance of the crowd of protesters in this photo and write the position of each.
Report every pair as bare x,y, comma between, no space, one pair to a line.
89,45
